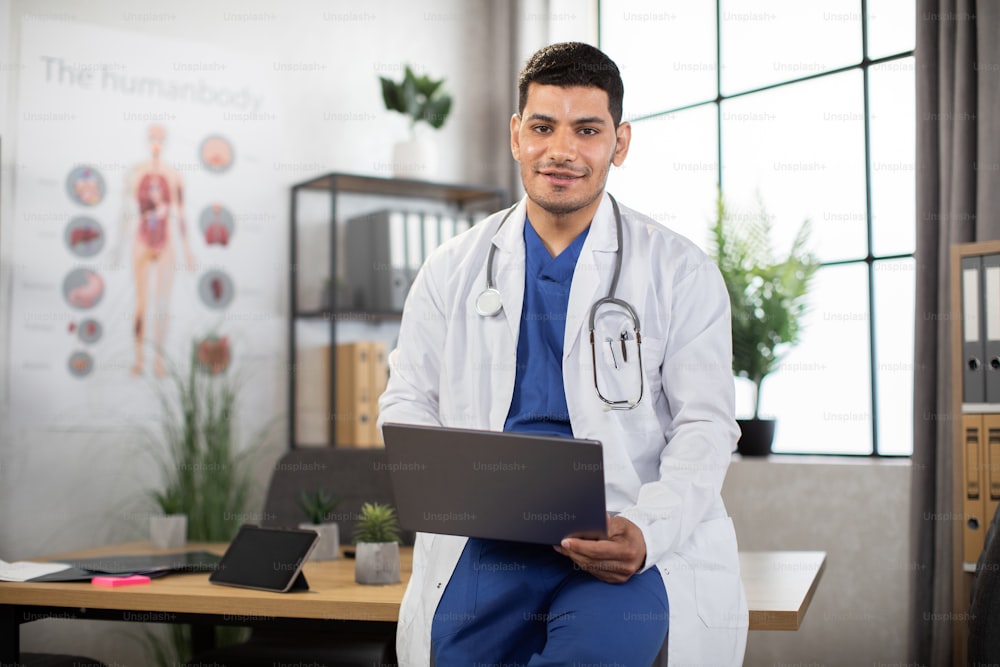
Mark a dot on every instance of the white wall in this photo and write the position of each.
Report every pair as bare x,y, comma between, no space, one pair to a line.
857,511
57,489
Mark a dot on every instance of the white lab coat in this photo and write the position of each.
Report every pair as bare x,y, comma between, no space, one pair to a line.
664,461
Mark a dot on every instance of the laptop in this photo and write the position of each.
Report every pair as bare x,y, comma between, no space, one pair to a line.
496,485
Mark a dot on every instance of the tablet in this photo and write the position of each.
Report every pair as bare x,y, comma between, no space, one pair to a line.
267,559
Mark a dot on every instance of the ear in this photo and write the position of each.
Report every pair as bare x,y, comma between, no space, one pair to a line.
623,135
515,139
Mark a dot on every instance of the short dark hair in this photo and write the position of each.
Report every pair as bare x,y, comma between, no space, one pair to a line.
573,64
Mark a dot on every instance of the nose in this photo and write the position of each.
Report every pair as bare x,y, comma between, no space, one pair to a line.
562,145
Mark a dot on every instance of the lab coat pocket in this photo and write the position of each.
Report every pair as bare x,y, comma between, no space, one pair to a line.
714,563
624,382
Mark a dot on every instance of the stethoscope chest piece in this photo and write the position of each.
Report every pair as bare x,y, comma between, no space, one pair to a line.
488,303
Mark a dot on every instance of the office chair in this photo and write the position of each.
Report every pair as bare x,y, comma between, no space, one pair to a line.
984,613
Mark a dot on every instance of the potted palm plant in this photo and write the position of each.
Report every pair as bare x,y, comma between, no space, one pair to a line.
767,296
422,100
318,506
376,540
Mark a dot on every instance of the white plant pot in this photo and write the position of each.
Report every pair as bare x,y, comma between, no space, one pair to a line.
414,159
328,545
169,531
376,563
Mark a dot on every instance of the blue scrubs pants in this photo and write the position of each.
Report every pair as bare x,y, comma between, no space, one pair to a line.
510,603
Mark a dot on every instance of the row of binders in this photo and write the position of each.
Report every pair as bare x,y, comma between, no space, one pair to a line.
386,248
981,329
979,443
361,374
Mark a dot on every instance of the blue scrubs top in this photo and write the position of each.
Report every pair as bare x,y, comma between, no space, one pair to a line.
539,401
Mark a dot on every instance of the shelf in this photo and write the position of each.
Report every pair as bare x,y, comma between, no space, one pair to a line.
390,187
314,389
349,316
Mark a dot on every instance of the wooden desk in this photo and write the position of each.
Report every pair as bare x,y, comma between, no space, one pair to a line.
779,587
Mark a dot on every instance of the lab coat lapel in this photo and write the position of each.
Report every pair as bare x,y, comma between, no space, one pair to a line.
592,275
509,268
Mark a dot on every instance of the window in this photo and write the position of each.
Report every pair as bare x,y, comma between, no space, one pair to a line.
809,108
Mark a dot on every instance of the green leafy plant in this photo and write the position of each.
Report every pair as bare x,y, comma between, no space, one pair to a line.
377,523
767,294
204,475
318,505
419,97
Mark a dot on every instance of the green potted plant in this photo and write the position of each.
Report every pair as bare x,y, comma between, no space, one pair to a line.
422,100
376,539
318,505
767,296
204,474
168,530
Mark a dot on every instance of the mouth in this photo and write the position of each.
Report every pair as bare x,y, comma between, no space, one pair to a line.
560,177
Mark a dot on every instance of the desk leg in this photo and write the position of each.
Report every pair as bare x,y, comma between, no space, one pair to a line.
202,638
10,636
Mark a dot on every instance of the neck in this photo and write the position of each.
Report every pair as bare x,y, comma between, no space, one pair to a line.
557,230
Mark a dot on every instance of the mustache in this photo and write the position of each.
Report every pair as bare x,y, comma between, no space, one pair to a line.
560,166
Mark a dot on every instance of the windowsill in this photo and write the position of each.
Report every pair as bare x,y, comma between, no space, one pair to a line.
825,459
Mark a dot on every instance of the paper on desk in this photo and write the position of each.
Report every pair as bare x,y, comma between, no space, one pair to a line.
25,570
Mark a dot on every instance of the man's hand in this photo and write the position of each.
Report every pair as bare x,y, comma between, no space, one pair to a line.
613,560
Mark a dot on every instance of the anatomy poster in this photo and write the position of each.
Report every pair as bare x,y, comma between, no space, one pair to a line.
147,218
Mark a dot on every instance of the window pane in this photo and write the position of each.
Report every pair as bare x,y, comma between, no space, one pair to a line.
891,27
893,154
801,148
665,50
671,171
821,393
779,40
894,313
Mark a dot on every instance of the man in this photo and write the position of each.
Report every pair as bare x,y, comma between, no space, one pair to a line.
524,360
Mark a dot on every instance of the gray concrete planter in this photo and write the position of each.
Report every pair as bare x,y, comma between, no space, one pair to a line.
376,563
169,531
328,545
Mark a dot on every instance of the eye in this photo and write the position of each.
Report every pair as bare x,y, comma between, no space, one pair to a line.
588,131
541,129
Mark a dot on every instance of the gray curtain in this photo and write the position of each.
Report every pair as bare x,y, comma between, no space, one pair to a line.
958,201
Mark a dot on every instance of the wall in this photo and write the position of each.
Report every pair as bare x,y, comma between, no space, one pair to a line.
855,510
57,488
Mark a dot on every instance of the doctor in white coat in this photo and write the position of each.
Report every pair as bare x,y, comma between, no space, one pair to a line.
667,425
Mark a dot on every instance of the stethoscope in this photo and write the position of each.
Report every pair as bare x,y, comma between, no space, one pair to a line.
489,304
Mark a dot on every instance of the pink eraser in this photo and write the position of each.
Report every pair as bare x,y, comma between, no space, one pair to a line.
130,580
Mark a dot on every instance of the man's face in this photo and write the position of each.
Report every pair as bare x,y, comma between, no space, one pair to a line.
566,142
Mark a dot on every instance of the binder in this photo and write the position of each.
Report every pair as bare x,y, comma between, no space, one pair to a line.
991,466
414,244
376,267
990,308
973,492
973,348
379,380
432,234
353,414
312,396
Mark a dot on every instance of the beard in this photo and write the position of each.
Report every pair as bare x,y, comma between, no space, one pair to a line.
563,200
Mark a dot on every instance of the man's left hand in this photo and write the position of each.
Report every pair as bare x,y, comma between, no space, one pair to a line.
614,559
